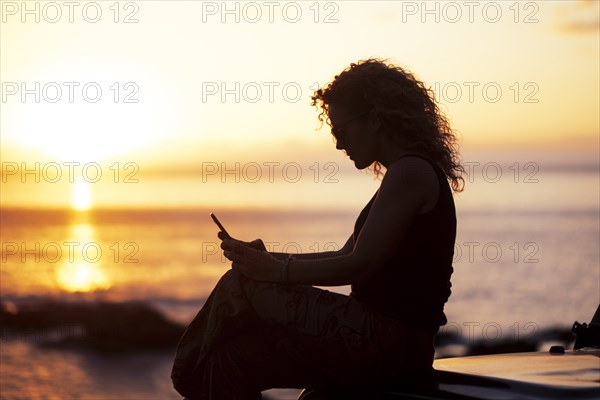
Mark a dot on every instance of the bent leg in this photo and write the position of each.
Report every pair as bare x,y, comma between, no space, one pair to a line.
322,338
253,336
217,321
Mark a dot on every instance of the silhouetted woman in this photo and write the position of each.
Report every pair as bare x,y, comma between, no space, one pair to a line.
264,326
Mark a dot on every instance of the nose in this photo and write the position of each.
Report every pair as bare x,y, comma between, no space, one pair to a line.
339,145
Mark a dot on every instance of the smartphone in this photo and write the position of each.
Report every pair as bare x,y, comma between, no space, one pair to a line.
214,217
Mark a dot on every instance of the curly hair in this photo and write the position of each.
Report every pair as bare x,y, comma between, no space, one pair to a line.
406,108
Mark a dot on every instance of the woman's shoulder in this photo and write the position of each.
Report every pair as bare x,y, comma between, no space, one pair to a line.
412,166
417,175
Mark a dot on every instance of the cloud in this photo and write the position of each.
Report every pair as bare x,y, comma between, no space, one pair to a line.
580,17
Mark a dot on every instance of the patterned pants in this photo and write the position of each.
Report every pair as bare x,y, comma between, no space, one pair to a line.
252,336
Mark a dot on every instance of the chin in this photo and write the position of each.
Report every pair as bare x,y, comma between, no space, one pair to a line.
361,165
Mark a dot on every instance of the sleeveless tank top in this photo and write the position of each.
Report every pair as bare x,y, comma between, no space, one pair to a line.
414,284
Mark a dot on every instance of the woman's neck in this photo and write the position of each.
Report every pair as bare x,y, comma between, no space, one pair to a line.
390,151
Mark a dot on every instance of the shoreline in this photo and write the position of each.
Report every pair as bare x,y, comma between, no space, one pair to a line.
121,327
96,349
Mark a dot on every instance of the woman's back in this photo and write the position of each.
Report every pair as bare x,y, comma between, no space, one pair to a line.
415,282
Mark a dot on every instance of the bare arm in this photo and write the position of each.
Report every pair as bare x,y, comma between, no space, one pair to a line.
346,249
408,187
259,245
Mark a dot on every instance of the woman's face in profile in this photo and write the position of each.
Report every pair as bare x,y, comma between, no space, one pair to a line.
352,134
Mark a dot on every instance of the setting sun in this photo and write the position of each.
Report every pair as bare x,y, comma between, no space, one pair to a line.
81,199
87,110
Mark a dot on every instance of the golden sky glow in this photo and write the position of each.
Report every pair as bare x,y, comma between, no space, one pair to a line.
175,83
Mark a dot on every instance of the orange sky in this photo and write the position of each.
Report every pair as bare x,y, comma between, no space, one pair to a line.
172,85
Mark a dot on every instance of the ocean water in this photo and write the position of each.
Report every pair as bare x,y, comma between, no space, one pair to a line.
526,258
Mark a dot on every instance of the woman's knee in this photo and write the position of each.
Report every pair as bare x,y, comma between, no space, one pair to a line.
231,274
230,280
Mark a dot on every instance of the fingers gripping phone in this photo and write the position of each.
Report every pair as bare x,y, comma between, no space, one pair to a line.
214,217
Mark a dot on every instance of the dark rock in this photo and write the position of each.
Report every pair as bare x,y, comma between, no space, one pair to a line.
102,326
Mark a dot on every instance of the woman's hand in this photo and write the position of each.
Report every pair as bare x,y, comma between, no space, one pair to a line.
252,262
256,243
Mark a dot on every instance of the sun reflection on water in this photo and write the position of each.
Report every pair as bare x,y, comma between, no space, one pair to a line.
82,270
